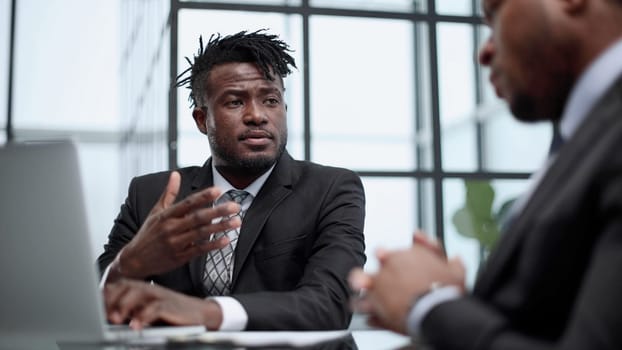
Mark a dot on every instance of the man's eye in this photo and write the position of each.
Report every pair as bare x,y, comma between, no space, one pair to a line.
272,101
234,103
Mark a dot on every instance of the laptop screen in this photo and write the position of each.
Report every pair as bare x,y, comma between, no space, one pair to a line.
49,281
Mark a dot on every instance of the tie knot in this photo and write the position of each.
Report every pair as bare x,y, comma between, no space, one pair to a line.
237,196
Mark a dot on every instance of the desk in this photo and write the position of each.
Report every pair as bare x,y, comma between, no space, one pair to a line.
357,340
380,339
361,337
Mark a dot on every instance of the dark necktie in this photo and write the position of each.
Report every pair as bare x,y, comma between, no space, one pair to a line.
557,140
219,262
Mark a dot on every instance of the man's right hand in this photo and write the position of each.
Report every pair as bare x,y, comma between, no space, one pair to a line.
174,233
142,304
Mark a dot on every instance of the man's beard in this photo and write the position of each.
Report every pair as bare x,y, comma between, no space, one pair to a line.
547,85
254,165
544,97
527,109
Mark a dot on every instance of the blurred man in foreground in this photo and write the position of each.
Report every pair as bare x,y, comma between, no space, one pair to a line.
553,280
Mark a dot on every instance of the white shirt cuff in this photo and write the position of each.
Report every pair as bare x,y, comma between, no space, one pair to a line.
234,317
102,282
424,304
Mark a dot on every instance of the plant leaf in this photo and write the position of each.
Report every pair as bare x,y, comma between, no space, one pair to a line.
463,221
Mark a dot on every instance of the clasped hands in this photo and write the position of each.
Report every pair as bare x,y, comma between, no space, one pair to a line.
388,295
172,235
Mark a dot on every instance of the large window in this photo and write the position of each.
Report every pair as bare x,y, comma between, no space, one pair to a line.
388,88
5,37
363,92
392,90
65,85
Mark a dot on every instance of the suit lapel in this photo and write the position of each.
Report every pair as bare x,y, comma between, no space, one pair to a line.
275,189
580,152
203,179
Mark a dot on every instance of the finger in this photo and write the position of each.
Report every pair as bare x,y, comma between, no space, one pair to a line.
206,219
201,238
167,198
137,325
204,246
168,310
431,243
113,293
381,255
147,315
168,306
421,238
189,235
361,304
359,280
172,190
456,266
209,245
138,294
192,202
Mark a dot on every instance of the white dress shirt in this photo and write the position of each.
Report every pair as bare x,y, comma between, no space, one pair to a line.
234,317
589,88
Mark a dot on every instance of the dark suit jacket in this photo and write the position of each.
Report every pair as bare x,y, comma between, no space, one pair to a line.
299,239
555,278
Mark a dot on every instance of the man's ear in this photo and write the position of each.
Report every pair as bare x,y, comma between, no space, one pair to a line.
200,117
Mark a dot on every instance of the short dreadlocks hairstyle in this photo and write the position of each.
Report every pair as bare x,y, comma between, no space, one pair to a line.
266,50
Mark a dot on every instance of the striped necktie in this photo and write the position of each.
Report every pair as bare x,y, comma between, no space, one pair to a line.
219,262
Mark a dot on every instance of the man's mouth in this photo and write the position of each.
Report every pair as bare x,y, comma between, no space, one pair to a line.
256,137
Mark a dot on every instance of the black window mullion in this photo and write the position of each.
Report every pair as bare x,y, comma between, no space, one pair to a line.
172,95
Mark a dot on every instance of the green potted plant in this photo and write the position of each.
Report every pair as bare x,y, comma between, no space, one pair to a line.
477,219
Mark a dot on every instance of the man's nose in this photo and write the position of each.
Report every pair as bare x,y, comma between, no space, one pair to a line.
486,52
255,113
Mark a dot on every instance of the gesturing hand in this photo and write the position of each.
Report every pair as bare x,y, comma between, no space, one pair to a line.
173,234
143,303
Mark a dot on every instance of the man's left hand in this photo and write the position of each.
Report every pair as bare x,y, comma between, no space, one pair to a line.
403,276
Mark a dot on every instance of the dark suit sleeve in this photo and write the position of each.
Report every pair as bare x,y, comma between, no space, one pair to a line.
594,323
131,216
320,300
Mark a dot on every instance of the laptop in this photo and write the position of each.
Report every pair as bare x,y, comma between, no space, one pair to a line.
49,289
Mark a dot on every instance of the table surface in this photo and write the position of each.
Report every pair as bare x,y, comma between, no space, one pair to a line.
360,337
356,340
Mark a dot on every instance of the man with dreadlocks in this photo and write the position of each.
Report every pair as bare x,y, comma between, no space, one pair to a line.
293,229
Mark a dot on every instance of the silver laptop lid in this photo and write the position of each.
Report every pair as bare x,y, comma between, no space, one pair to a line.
49,282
